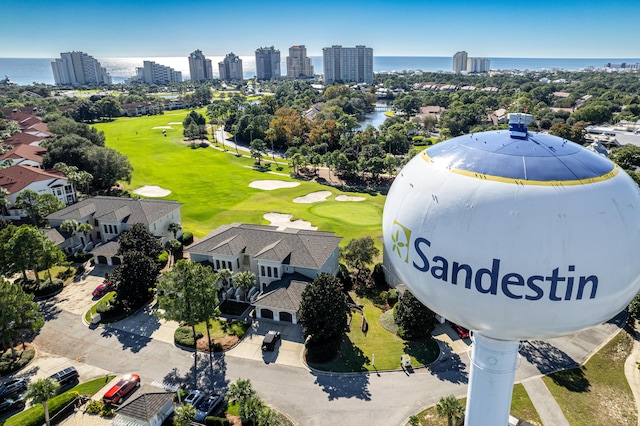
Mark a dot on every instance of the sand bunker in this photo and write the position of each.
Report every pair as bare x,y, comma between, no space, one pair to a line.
162,127
284,221
152,191
175,122
349,198
314,197
269,185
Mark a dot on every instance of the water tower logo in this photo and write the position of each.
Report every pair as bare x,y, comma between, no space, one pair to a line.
400,237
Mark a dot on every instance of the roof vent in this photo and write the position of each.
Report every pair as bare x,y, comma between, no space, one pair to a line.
518,125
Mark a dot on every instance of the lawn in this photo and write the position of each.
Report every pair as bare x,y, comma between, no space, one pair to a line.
213,186
359,347
597,393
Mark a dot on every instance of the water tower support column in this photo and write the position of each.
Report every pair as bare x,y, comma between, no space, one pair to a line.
493,369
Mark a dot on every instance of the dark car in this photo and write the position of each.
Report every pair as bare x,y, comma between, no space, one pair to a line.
269,342
12,387
194,398
10,405
102,289
121,389
67,376
208,407
462,332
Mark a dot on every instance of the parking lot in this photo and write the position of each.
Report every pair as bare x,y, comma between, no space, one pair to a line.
76,296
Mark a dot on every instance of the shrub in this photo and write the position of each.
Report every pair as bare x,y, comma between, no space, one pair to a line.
48,287
184,337
94,407
217,347
66,274
8,365
216,421
238,328
378,277
187,238
104,307
163,258
321,351
392,297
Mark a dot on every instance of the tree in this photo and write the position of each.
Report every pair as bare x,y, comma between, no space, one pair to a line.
47,204
413,318
195,126
4,202
50,256
174,227
450,407
26,244
173,247
40,392
109,107
634,307
139,238
626,156
107,166
19,314
359,253
27,200
134,278
184,415
257,148
323,314
244,281
187,294
249,403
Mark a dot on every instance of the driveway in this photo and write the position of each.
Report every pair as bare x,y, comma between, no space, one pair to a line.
76,297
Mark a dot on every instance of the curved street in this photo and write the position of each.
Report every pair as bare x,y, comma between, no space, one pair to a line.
143,344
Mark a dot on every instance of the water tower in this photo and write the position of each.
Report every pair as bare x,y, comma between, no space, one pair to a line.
515,235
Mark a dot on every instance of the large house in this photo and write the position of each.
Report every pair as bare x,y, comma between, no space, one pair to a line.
18,178
25,155
284,261
109,217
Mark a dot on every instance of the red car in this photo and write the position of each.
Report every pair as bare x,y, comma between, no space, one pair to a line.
103,289
462,332
121,389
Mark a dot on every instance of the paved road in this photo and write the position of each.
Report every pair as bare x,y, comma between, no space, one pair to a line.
311,398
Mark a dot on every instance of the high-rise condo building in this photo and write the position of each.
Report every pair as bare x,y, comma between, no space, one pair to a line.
460,62
200,67
152,73
267,63
346,64
78,68
298,64
231,68
477,65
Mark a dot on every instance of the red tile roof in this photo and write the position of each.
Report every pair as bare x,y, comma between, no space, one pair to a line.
15,178
28,152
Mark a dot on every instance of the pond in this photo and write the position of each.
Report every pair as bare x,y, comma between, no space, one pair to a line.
375,118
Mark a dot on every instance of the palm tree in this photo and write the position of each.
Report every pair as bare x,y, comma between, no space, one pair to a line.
173,246
85,228
40,391
450,407
184,415
244,280
175,227
241,392
224,275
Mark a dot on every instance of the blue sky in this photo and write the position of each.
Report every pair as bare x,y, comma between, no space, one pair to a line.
119,28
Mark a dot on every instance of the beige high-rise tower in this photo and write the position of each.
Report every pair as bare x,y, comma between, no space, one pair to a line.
298,64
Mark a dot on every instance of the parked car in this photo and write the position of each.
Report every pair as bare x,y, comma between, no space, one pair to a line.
462,332
67,376
102,289
12,387
9,405
121,389
270,339
208,407
194,398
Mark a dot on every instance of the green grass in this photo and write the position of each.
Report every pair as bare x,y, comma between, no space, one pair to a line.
597,393
359,347
213,186
92,311
34,416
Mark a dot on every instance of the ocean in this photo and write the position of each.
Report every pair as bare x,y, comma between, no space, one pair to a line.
29,70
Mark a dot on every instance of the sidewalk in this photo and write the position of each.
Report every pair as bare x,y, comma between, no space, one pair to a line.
544,403
632,372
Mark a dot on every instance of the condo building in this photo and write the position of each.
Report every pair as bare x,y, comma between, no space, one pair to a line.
200,68
298,64
347,64
78,68
231,68
152,73
267,63
460,62
477,65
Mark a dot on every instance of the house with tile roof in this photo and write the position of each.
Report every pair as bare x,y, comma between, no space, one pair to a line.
109,217
25,155
18,178
283,260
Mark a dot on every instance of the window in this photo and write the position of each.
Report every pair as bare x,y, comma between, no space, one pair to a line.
217,264
262,274
269,271
275,272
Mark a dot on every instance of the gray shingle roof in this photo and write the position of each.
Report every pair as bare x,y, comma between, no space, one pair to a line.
285,294
297,247
143,210
145,406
